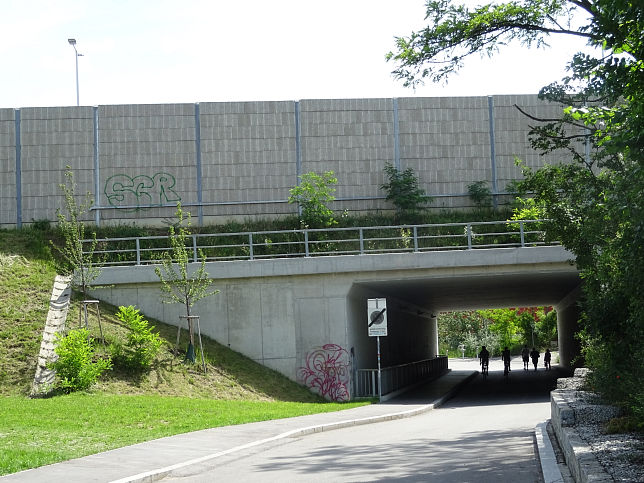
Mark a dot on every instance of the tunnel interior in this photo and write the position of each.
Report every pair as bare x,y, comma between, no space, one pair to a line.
413,305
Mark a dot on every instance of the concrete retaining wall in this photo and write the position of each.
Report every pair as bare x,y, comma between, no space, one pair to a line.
238,159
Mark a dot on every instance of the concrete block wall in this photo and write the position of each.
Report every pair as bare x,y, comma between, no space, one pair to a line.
146,155
53,138
446,142
8,205
240,159
248,156
354,138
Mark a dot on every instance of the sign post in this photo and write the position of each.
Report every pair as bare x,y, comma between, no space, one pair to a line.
377,325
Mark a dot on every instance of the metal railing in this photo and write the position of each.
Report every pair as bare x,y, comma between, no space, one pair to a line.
329,241
397,377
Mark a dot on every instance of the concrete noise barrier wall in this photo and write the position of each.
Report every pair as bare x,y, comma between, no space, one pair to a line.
239,159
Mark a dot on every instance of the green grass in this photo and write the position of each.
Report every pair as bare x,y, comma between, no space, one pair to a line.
36,432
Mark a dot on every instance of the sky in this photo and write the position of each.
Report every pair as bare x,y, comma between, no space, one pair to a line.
170,51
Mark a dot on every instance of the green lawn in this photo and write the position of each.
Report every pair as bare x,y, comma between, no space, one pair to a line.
36,432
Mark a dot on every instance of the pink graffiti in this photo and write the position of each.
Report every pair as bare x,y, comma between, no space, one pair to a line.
327,372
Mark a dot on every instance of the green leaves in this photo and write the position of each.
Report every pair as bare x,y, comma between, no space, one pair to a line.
179,284
403,190
77,367
312,195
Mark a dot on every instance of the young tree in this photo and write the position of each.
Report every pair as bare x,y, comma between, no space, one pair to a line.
179,283
403,190
312,195
78,257
594,200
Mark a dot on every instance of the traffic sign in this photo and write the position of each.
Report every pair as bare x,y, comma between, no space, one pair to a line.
377,317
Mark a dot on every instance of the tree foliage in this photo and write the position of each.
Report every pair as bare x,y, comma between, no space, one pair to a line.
312,195
180,283
403,190
78,259
594,197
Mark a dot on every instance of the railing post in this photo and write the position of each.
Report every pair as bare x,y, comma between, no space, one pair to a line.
469,236
194,248
522,233
415,238
138,252
306,243
250,246
361,241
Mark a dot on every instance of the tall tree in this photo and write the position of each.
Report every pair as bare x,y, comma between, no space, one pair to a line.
594,197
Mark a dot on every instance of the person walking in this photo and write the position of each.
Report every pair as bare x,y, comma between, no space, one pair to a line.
525,355
546,359
534,355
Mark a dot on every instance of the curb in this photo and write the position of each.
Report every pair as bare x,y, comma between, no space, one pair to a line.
549,467
157,474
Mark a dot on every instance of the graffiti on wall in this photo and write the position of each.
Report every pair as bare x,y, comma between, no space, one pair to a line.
140,191
327,372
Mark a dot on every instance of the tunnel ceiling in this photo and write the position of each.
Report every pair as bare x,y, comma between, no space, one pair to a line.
479,292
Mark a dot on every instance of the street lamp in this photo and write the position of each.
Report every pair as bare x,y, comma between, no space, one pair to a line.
72,42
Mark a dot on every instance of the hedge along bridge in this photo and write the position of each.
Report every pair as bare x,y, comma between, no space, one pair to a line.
296,301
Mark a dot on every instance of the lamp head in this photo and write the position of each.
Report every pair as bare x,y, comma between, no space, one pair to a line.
71,41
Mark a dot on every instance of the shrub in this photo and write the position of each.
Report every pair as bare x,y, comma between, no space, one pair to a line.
480,194
312,194
77,367
142,345
403,190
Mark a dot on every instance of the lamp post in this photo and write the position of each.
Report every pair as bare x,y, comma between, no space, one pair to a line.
72,42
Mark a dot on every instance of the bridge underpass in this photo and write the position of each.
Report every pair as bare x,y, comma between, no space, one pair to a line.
414,303
307,317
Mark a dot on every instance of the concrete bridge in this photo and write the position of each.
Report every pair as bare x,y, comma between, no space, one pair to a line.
307,317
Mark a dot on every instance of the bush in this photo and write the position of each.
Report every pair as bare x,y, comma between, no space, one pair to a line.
312,194
480,194
142,345
77,367
403,190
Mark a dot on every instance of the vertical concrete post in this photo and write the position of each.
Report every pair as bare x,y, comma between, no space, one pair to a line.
396,135
97,171
490,109
298,149
198,162
433,336
18,143
567,326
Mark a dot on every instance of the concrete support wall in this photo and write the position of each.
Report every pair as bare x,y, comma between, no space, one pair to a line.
227,160
567,327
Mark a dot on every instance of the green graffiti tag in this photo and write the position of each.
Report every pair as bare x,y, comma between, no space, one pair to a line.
141,191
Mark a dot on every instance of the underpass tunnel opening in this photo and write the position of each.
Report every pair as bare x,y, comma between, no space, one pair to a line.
413,306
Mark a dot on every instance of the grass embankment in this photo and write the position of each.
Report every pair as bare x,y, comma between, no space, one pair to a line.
122,409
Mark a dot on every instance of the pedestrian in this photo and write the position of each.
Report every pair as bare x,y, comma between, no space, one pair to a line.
546,359
525,354
534,355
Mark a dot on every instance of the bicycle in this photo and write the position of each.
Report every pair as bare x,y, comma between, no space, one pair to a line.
485,364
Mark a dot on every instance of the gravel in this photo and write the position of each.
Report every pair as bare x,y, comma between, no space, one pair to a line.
621,455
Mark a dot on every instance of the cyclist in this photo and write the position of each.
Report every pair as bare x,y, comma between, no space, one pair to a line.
484,357
505,355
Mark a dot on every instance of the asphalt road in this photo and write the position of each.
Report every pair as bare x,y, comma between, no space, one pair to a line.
484,434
